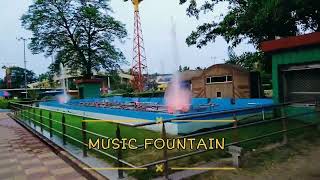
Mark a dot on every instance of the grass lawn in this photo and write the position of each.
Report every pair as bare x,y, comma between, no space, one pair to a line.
299,158
141,156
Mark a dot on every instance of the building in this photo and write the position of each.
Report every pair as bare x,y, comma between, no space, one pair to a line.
162,81
43,84
100,84
222,81
187,76
295,67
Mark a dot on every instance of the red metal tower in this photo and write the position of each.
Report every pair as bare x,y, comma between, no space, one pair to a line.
139,62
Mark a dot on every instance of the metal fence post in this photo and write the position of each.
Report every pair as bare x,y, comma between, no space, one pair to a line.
84,139
24,109
22,113
63,121
12,108
165,152
34,116
29,116
235,130
50,124
284,125
120,171
19,111
41,121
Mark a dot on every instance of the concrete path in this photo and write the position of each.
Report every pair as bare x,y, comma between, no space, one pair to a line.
23,156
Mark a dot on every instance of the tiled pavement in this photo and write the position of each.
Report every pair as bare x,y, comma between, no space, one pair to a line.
25,157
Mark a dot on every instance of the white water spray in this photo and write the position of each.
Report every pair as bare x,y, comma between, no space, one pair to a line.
177,98
64,97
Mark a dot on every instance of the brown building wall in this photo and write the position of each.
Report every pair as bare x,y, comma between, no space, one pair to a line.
197,86
240,78
224,88
242,84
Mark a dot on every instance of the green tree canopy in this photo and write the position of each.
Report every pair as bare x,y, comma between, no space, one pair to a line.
256,20
82,33
17,77
252,61
184,68
43,77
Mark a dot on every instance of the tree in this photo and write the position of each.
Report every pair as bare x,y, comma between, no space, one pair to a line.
252,61
47,76
256,20
248,60
307,14
17,77
182,69
81,33
43,77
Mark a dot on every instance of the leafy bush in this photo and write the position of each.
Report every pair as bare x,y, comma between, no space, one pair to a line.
4,103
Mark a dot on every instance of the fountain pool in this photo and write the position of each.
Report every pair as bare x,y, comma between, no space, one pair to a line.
150,109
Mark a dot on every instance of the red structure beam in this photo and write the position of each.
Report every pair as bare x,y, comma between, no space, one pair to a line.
139,62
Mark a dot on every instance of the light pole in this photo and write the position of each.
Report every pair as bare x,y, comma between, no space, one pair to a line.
213,59
25,64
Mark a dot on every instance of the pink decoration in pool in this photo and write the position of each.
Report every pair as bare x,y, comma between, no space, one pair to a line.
63,98
177,98
6,94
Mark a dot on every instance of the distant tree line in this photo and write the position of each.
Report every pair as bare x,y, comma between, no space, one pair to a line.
15,78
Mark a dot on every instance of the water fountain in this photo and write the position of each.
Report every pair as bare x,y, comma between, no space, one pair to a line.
64,97
177,98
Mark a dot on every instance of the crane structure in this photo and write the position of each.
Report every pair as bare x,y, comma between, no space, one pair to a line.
139,61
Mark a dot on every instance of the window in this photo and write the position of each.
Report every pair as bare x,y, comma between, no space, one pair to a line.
219,79
219,95
208,80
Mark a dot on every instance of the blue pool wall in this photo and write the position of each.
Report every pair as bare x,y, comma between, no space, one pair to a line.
222,105
115,112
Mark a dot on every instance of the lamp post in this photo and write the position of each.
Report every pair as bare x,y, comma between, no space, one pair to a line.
25,64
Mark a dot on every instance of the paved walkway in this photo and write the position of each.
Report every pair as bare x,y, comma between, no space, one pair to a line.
23,156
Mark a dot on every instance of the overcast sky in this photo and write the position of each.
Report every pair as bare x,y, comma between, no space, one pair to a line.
157,32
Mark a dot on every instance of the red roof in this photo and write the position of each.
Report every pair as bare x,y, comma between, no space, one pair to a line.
291,42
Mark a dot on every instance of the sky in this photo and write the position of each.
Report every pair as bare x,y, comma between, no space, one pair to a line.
157,25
